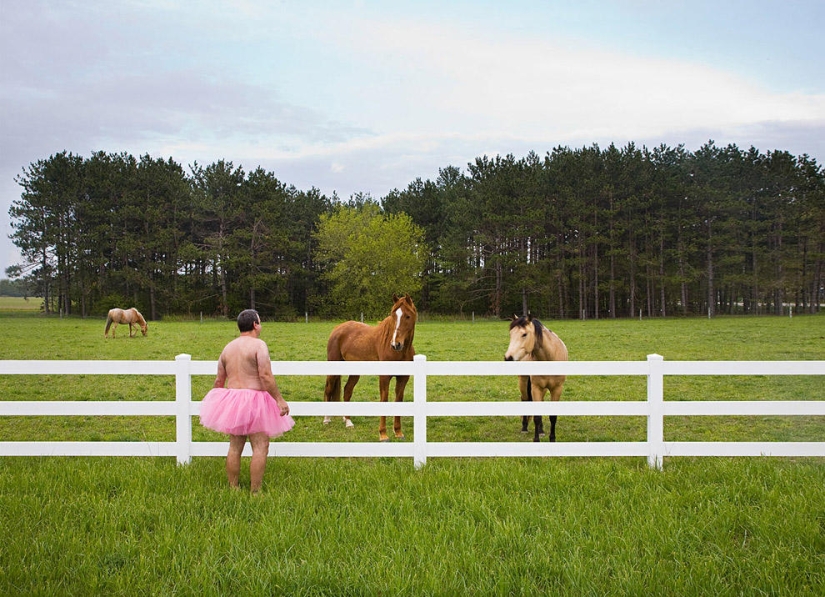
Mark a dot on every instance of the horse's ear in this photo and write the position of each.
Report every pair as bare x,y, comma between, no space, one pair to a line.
514,318
394,297
529,316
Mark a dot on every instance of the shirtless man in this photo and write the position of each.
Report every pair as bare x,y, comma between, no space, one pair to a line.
245,401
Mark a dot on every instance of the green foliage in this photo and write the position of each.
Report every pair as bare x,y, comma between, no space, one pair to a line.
17,288
369,257
583,233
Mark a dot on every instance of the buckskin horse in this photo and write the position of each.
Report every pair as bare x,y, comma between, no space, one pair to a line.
131,316
390,340
531,341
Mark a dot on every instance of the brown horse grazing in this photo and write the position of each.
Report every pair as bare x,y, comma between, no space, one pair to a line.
390,340
531,341
131,316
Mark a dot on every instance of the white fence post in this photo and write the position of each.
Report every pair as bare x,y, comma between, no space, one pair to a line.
183,401
656,407
420,411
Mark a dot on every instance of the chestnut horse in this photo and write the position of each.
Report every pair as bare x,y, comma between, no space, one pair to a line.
131,316
531,341
390,340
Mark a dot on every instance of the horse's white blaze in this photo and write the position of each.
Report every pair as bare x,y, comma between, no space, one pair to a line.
398,314
517,351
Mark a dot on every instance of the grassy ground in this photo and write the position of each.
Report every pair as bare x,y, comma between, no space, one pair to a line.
125,526
801,338
14,303
709,526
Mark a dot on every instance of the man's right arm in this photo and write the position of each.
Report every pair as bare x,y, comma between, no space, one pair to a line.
220,379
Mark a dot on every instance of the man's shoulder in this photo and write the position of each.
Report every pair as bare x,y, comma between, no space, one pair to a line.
251,343
244,343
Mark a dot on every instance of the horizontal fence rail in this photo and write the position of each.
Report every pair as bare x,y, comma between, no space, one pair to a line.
655,408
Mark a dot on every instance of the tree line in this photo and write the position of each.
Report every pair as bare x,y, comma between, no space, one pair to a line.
576,233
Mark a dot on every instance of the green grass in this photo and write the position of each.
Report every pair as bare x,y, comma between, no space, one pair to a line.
97,526
17,303
801,338
561,526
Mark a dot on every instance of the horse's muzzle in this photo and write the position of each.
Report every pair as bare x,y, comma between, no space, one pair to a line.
506,358
397,347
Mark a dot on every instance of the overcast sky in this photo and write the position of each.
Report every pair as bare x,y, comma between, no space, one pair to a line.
367,96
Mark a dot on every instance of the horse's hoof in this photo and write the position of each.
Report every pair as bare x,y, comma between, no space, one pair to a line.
349,424
524,430
383,440
326,420
400,437
552,439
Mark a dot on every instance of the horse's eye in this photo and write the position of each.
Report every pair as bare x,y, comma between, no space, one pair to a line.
524,335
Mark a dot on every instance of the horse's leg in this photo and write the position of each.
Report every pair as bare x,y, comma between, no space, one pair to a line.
384,391
351,381
537,394
400,384
555,395
523,383
130,330
332,392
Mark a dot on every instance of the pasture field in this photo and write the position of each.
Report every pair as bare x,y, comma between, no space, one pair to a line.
562,526
800,338
17,303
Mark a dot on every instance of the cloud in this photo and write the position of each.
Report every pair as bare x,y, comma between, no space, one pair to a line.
538,88
350,99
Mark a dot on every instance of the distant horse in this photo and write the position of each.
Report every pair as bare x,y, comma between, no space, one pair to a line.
390,340
131,316
531,341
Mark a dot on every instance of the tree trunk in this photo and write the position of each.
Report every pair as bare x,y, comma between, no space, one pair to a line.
711,289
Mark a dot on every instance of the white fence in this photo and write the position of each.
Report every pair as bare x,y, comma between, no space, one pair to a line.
655,408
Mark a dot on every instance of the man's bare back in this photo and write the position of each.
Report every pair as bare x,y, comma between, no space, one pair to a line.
244,364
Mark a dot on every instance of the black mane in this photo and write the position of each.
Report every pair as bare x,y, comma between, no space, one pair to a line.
524,321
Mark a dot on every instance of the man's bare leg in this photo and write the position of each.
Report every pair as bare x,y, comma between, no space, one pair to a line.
260,452
233,459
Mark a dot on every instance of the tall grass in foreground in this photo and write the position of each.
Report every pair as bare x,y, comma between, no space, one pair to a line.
93,526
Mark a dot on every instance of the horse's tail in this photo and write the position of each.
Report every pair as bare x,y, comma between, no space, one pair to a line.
332,389
108,325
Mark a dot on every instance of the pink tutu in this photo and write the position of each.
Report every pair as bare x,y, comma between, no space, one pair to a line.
241,412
